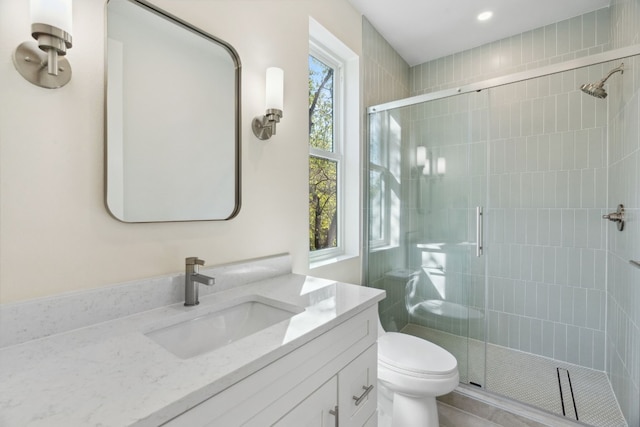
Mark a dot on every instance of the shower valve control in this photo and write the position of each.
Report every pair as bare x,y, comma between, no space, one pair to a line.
617,216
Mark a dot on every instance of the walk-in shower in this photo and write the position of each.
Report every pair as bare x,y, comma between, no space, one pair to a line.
485,226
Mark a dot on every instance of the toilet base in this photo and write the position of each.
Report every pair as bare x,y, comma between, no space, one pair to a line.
396,410
414,412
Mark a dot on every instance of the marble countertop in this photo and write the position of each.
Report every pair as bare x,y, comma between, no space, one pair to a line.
112,374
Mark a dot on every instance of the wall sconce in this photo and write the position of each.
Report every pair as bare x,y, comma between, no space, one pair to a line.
43,64
421,159
441,166
427,164
265,126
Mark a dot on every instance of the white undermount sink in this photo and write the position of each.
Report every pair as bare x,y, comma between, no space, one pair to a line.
216,329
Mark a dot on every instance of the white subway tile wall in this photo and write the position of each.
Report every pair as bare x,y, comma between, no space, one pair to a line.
550,292
386,74
623,291
547,180
556,161
573,38
386,78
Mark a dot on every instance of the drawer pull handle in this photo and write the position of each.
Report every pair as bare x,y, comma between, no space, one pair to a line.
364,394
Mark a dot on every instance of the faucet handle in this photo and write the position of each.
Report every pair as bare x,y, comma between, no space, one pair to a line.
193,260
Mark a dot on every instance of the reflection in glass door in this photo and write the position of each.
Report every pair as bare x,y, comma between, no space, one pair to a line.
427,179
485,221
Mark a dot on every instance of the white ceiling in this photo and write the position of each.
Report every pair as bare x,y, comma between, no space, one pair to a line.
422,30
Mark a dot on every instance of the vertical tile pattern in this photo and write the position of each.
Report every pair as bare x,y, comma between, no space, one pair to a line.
386,74
442,245
557,160
547,195
623,279
573,38
386,78
545,149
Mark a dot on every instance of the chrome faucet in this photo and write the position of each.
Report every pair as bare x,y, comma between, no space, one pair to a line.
191,280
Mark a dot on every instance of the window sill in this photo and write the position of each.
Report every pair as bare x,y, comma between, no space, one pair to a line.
331,260
383,248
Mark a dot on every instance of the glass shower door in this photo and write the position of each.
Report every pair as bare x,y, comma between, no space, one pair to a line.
427,177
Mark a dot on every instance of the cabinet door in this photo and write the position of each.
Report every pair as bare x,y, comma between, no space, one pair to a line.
373,420
357,390
314,411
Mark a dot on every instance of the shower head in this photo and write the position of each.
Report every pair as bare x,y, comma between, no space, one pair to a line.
597,89
594,89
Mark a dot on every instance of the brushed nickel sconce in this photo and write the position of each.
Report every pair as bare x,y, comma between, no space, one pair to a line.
265,126
43,63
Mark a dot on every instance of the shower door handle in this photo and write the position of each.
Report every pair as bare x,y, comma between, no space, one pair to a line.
479,230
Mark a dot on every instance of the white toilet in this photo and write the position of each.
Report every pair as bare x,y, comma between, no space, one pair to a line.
411,373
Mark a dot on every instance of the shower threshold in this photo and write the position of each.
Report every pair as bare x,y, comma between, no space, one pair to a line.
532,379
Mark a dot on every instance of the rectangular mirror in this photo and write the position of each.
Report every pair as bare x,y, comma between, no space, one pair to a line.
172,148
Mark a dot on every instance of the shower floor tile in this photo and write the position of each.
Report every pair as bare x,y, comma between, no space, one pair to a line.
531,379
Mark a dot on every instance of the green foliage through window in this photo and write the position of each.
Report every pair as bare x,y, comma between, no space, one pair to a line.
323,168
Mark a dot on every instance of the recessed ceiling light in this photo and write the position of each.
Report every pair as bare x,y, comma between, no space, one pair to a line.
485,15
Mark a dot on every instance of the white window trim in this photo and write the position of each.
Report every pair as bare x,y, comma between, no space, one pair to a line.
326,47
386,211
391,207
319,52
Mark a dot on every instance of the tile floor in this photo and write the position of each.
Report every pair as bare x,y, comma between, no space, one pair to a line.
458,409
530,379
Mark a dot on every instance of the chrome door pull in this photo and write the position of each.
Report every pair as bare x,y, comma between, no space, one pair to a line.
364,394
479,231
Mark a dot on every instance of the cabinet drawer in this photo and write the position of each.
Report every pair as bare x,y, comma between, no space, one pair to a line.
357,388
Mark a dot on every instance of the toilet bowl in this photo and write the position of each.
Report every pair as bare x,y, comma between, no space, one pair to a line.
411,373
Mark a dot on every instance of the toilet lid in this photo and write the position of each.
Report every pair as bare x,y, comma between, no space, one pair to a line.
414,354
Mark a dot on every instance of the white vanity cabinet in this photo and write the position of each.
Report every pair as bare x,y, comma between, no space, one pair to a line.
306,387
349,396
316,410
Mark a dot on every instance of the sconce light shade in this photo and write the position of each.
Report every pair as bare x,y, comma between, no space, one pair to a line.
43,64
441,166
275,89
421,155
265,126
56,13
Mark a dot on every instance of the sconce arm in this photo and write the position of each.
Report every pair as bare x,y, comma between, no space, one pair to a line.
264,127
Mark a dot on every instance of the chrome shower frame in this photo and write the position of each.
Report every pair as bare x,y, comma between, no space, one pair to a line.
600,58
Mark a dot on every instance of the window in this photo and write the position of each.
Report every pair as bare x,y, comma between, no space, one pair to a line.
334,148
325,154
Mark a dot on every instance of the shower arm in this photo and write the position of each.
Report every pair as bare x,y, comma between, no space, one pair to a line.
615,70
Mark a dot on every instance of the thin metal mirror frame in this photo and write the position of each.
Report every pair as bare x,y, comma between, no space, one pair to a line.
237,107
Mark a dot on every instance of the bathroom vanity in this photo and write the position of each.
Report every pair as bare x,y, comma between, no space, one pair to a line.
313,385
315,365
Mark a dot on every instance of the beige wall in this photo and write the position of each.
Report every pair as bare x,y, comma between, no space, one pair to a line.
55,233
